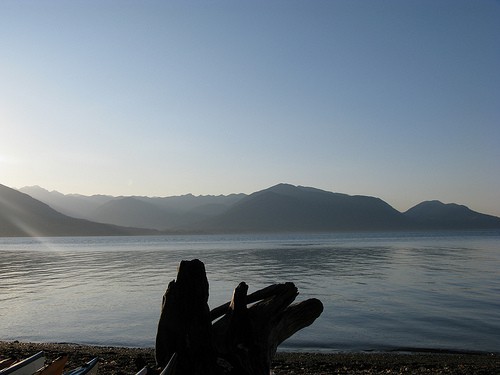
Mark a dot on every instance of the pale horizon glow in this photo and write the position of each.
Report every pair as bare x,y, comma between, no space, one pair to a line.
397,100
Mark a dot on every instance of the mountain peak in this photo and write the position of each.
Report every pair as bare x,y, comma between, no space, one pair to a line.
34,188
438,215
436,207
288,208
282,188
38,190
289,189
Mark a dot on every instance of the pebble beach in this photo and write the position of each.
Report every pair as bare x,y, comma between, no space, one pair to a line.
125,361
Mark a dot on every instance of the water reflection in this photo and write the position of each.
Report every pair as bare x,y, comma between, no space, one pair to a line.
378,290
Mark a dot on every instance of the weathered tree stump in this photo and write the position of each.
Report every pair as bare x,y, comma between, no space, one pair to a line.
243,341
185,326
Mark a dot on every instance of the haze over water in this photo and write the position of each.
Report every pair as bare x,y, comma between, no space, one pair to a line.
380,291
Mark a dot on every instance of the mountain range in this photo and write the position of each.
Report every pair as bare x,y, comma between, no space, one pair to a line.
23,216
281,208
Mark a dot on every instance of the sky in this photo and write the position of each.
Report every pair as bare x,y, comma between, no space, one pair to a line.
394,99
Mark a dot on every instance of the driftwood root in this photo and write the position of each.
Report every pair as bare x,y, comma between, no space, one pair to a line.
243,339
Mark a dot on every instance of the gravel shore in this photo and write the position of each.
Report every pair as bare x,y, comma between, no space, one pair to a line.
125,361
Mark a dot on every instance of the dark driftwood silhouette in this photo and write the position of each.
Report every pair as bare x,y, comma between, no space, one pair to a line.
242,341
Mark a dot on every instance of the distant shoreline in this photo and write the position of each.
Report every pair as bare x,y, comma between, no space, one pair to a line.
494,231
122,360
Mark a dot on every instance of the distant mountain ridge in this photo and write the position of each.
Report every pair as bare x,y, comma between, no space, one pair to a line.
294,208
23,216
75,205
280,208
160,213
437,215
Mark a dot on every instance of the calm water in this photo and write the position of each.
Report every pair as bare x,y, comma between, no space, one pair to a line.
380,291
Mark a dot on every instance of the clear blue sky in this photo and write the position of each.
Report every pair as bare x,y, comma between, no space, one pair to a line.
394,99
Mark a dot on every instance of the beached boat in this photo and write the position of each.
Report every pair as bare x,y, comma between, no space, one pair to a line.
27,366
170,367
56,367
143,371
90,368
6,362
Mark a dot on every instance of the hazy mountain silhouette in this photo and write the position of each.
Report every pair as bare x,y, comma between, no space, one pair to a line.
438,215
281,208
75,205
159,213
131,211
288,208
22,215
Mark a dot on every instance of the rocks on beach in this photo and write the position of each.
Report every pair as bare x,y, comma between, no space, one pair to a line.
124,361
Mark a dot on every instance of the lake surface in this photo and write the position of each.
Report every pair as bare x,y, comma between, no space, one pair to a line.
381,291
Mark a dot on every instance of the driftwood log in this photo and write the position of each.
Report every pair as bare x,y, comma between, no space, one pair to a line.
233,338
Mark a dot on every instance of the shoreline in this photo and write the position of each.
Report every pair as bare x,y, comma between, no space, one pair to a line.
125,361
